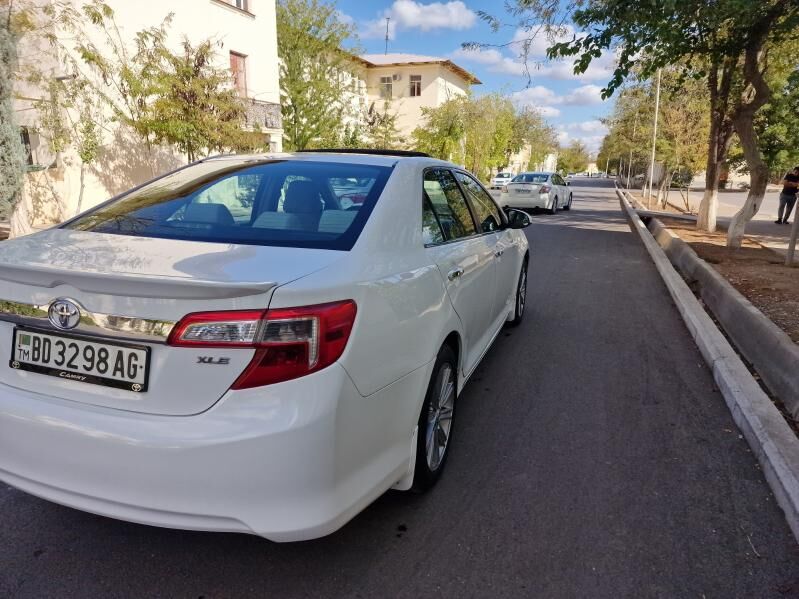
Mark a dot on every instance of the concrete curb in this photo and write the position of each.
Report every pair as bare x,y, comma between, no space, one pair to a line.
767,347
773,442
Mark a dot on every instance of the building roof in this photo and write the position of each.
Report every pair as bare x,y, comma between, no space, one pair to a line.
401,60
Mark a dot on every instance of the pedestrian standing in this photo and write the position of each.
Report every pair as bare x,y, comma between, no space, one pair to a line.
790,185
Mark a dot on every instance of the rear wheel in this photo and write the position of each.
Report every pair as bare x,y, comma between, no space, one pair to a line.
569,205
435,421
521,298
554,208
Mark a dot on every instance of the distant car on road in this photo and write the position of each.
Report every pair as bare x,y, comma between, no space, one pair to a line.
530,191
500,180
260,344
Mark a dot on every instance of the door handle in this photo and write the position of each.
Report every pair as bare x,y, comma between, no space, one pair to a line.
454,274
498,253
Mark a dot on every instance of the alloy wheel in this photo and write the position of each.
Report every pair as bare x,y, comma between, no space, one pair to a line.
439,417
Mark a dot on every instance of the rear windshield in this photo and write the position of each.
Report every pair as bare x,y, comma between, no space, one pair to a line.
530,178
295,203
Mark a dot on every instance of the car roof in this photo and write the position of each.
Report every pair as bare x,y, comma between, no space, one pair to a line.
536,173
344,157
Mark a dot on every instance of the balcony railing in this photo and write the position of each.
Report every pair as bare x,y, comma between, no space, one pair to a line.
264,115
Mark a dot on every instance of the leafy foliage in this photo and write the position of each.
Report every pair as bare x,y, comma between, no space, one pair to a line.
12,155
314,70
482,133
574,158
194,107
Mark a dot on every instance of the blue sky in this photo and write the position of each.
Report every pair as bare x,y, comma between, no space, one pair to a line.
570,103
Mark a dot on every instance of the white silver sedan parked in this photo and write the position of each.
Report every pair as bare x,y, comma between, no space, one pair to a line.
530,191
240,346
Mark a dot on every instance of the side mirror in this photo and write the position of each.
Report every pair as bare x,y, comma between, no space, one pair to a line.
518,219
568,182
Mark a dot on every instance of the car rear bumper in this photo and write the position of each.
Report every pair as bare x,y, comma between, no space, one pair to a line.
290,461
525,202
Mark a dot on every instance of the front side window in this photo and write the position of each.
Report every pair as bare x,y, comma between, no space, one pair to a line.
416,85
294,203
386,84
448,204
485,210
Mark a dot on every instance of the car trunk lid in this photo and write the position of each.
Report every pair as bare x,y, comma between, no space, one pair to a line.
131,291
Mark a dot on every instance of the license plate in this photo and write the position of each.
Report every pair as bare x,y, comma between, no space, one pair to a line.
523,189
81,360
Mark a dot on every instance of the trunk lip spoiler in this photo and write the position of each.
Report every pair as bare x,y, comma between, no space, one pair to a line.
133,285
94,324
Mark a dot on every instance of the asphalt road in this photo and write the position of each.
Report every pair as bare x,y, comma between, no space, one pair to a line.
593,457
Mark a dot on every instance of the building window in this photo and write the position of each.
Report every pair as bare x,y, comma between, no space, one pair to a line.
385,87
238,64
25,136
240,4
416,85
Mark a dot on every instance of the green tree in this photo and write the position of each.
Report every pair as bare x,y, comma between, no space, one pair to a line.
12,155
574,158
380,131
315,72
194,105
725,43
442,133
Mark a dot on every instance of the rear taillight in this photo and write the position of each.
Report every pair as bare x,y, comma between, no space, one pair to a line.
504,189
289,342
544,189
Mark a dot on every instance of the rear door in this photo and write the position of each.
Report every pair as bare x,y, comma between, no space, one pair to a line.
490,224
463,255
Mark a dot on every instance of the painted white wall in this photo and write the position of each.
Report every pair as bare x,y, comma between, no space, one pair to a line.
438,85
52,195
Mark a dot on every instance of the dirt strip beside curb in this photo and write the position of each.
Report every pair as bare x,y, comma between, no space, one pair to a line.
773,442
767,347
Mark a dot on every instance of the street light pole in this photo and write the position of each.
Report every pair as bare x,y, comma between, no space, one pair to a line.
654,142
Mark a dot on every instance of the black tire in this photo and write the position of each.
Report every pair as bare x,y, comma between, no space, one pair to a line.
569,205
554,209
424,475
521,297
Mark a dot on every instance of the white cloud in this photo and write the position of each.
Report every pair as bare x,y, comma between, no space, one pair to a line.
536,96
544,99
491,58
548,111
409,14
595,127
593,139
585,95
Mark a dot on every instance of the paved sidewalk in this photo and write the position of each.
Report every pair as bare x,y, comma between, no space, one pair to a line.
761,228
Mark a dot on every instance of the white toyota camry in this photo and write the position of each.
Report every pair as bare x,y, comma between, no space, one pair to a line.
260,344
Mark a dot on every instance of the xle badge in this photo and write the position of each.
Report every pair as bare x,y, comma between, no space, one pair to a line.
212,360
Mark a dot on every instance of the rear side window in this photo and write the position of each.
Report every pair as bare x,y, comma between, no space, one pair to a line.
486,211
431,230
295,203
448,203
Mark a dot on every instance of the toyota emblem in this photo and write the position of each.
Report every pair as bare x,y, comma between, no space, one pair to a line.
64,314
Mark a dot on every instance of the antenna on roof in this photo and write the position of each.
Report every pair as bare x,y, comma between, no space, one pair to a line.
387,20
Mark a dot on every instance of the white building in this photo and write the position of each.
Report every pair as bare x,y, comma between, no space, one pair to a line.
246,36
409,82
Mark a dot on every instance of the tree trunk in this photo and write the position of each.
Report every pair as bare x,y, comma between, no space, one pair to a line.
82,187
756,94
720,84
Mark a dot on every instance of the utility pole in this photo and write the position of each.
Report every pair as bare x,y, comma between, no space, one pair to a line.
387,20
630,163
654,141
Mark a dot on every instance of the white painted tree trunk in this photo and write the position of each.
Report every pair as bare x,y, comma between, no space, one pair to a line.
708,210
